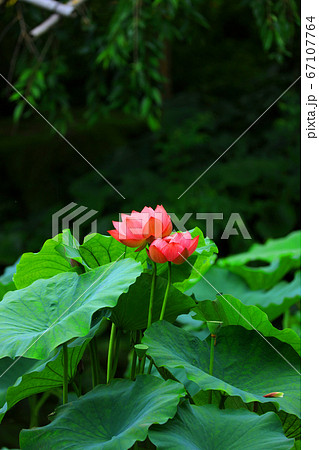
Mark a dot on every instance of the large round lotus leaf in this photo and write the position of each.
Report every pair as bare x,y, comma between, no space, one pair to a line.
55,255
24,376
273,249
131,311
38,318
6,279
209,428
245,365
109,417
266,276
47,263
282,255
98,250
291,424
231,311
9,377
273,302
31,376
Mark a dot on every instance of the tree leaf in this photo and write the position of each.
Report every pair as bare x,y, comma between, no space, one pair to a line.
37,319
232,311
245,365
273,302
109,417
208,428
131,311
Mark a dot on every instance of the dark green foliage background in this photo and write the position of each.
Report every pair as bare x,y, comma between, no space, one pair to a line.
222,75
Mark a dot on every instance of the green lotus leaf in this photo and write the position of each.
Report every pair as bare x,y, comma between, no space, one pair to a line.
297,445
131,311
109,417
38,318
282,255
98,250
27,376
6,280
272,250
69,249
209,428
273,302
9,377
245,364
291,424
47,263
268,276
232,311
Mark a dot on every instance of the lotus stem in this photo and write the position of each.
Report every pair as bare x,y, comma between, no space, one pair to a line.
169,279
97,361
134,340
211,363
110,354
65,373
211,359
222,401
150,308
133,367
94,366
142,365
150,367
76,389
286,319
140,350
116,355
36,407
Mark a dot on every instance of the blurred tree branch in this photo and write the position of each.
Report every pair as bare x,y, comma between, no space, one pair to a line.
45,26
125,47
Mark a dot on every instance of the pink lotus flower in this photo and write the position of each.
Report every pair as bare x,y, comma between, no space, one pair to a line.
175,248
140,228
274,395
